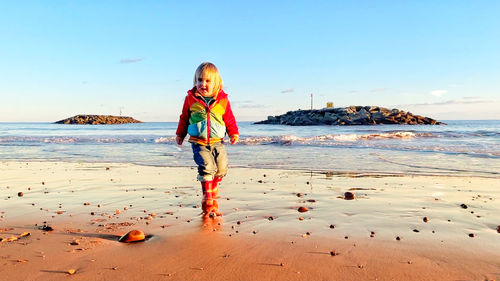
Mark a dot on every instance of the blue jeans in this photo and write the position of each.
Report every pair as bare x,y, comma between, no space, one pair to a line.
211,160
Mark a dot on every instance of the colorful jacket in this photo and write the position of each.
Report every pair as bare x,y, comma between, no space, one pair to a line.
206,128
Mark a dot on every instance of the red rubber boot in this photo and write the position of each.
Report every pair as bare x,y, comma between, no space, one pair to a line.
206,187
215,186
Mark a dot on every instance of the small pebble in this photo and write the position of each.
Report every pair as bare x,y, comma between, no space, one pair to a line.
46,228
333,253
472,235
301,218
332,226
349,196
398,238
71,271
416,230
20,194
426,219
464,206
303,209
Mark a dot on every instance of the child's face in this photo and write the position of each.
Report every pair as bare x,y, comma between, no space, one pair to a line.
205,86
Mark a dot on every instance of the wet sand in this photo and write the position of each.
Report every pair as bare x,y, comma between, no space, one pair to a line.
447,226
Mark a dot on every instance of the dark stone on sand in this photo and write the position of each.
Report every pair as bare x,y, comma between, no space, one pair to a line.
472,235
349,196
416,230
426,219
333,253
398,238
498,229
332,226
464,206
352,115
270,218
20,194
46,228
303,209
97,120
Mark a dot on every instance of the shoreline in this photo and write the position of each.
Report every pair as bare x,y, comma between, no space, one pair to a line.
255,234
333,172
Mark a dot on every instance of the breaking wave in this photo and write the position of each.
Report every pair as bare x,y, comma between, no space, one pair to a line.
246,140
325,139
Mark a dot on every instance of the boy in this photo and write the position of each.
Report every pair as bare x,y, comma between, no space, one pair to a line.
207,116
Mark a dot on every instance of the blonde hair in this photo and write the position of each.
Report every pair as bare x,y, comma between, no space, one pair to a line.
208,69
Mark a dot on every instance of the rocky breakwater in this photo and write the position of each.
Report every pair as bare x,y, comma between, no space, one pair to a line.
352,115
98,120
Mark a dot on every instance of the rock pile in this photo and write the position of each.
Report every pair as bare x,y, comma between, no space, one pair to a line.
352,115
98,120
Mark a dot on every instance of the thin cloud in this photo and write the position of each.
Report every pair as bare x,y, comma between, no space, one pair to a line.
438,93
248,104
287,91
465,100
380,90
125,61
252,106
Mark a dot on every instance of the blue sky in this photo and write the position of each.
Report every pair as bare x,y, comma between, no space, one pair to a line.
435,58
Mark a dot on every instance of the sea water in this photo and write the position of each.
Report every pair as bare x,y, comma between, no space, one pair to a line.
467,148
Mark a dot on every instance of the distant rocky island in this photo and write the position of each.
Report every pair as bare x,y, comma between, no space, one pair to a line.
351,115
98,120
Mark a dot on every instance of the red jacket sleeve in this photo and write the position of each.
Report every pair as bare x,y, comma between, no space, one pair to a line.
183,120
231,126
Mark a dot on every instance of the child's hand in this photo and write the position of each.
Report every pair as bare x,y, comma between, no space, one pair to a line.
179,140
234,139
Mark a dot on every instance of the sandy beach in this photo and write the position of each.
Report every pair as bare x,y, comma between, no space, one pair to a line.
396,228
